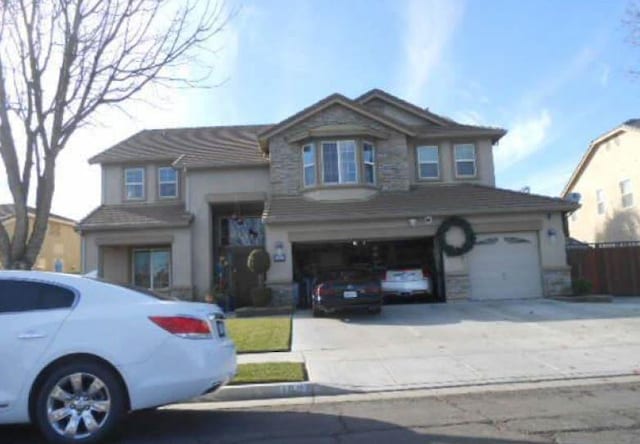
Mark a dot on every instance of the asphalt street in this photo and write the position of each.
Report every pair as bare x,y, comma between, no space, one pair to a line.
605,413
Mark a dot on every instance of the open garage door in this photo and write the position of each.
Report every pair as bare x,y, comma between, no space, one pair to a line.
312,257
505,266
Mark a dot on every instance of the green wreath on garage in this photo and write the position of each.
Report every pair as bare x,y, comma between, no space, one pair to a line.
469,236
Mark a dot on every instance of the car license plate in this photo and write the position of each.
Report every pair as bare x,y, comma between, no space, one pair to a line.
350,294
220,328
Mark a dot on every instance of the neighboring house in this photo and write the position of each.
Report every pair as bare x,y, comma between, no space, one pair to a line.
607,179
61,247
344,181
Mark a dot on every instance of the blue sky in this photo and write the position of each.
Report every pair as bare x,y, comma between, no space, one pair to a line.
553,73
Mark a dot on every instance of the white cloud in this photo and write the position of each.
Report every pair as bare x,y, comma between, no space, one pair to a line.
469,117
524,138
430,26
548,181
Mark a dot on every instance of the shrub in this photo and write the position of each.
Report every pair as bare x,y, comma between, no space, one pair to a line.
259,261
581,287
261,296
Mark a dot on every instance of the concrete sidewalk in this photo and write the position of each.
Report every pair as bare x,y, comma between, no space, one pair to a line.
459,344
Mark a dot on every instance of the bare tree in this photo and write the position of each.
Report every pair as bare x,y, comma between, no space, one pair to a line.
60,61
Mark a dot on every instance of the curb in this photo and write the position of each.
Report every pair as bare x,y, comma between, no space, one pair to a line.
308,389
258,391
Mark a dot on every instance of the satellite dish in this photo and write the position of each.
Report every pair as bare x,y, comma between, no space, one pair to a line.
574,197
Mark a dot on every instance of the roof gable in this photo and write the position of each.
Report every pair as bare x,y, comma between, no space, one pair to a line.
629,125
332,100
400,104
7,211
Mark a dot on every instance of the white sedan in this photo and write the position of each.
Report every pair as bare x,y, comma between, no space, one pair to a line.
77,354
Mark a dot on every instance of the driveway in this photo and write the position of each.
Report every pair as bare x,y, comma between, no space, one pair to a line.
434,345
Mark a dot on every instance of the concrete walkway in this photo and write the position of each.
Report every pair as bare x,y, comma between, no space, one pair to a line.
466,343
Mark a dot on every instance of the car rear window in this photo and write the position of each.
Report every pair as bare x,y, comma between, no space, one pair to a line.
24,295
346,275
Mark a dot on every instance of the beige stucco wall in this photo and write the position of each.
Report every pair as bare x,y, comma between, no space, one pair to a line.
61,241
211,186
615,159
109,252
113,184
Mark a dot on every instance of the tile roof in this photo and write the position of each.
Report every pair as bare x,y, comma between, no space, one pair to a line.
107,217
243,145
7,211
437,200
206,146
633,122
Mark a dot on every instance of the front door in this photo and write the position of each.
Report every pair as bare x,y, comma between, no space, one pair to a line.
242,279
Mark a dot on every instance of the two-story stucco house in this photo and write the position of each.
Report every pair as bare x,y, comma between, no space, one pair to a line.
607,180
344,181
60,250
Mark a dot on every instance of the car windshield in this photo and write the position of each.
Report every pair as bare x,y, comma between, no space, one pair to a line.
144,291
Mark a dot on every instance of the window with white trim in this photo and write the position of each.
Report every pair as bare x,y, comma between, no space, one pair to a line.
369,162
167,182
600,200
627,193
152,268
134,183
309,165
428,162
465,155
339,162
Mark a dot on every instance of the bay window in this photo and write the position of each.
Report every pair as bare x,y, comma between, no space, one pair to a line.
309,165
339,162
369,162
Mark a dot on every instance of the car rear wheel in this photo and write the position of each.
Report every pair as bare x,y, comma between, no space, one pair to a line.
79,402
375,310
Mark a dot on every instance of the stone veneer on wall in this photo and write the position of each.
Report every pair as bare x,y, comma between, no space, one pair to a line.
392,166
458,287
557,282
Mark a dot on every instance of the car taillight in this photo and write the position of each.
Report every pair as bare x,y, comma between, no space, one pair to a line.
183,326
326,290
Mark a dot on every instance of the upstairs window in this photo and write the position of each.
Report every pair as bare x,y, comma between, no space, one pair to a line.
339,163
167,183
465,160
627,193
600,200
369,162
134,183
428,162
309,165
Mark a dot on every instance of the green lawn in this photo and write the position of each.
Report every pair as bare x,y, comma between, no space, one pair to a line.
254,335
270,372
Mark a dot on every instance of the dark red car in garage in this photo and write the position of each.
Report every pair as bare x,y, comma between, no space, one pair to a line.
346,289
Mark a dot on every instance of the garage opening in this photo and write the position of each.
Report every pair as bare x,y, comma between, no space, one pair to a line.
379,256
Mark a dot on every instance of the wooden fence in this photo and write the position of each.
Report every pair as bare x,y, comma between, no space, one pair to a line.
612,268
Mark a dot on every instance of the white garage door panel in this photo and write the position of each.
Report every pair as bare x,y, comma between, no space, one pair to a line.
505,266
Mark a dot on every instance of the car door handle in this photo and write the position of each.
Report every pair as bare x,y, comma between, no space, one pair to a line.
31,335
